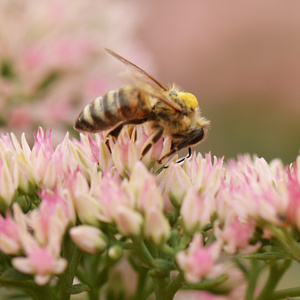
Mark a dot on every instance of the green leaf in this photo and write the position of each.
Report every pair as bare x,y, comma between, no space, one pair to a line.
49,80
79,288
24,201
6,69
163,264
267,256
12,274
207,283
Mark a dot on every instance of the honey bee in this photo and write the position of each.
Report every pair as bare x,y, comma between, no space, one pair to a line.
169,112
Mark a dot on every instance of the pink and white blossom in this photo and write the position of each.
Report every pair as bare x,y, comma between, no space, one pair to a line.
129,222
157,227
41,262
198,262
236,235
88,238
197,208
11,231
129,199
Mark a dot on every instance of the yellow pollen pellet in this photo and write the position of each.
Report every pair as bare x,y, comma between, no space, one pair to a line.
189,99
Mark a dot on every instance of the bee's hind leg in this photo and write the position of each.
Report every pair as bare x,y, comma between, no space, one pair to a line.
154,137
115,131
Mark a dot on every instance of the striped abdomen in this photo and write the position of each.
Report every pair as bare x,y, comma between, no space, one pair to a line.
125,104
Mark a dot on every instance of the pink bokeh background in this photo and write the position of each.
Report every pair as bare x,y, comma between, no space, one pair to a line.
242,60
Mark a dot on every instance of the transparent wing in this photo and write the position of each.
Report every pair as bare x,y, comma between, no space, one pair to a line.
144,81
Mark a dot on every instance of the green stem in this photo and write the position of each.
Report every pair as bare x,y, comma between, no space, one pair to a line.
94,294
276,272
73,255
144,252
285,294
175,285
252,277
32,289
142,290
295,247
160,285
286,241
164,289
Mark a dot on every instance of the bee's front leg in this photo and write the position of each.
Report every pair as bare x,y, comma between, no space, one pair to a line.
192,138
180,160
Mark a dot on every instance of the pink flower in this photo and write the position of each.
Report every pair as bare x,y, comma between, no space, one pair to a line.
81,155
293,189
129,222
235,286
11,231
100,151
48,225
199,262
87,207
235,235
176,183
40,262
49,164
124,152
157,227
196,209
88,238
58,199
108,192
251,190
205,173
18,157
127,149
9,179
143,189
80,181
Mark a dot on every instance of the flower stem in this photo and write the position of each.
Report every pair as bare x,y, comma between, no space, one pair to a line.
164,289
160,285
31,288
144,252
73,255
253,276
175,284
276,272
285,294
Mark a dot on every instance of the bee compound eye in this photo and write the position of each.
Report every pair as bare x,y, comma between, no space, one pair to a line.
184,112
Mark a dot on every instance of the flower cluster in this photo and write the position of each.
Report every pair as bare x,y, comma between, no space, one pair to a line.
52,63
176,220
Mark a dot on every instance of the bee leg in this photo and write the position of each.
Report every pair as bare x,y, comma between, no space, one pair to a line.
115,131
152,140
194,137
180,160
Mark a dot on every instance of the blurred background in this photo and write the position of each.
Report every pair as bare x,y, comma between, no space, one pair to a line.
241,60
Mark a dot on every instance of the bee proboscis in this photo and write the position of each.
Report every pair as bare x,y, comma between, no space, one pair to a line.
170,112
